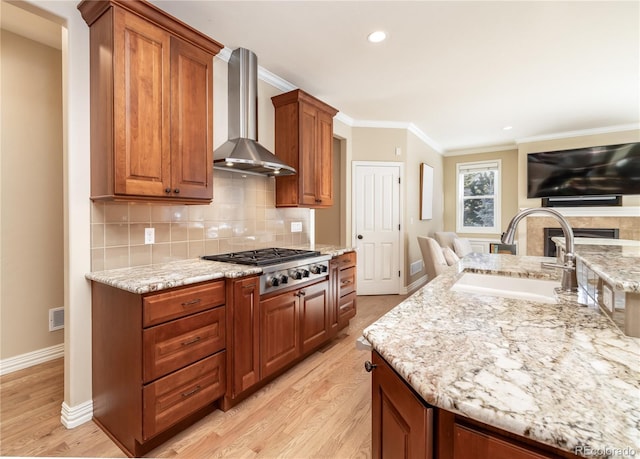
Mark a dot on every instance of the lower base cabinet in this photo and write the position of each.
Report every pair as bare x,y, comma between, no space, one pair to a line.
404,426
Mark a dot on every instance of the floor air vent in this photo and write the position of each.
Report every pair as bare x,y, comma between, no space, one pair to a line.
56,319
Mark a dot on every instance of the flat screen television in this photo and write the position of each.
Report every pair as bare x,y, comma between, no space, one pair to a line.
594,171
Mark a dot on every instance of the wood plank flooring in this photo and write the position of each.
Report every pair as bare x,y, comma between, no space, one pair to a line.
319,409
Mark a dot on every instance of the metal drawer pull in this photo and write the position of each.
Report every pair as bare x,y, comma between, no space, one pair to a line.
192,302
192,391
193,341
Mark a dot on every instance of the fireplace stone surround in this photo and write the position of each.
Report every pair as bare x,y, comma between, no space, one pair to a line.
628,226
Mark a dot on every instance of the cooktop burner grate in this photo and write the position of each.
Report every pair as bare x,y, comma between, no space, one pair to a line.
263,257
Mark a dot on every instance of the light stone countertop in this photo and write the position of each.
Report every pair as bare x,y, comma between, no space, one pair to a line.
153,278
615,260
561,374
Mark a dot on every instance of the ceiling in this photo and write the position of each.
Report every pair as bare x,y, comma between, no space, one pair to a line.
456,73
459,71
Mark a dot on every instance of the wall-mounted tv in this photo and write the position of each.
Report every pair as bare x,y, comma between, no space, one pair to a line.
594,171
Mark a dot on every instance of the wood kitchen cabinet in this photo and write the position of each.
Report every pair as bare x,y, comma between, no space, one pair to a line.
304,140
151,104
343,279
403,425
243,336
293,324
158,361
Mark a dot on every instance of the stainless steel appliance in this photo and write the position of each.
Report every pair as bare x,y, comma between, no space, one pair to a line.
282,268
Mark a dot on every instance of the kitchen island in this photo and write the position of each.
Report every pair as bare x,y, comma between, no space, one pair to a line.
562,375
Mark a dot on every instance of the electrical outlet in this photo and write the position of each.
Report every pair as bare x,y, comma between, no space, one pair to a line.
149,235
296,227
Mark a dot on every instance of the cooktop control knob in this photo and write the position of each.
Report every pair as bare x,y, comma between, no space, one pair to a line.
305,273
296,274
324,268
284,278
273,281
316,269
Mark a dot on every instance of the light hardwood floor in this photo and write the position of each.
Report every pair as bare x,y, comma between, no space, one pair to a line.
319,409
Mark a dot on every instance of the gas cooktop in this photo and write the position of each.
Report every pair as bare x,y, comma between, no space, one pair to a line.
263,257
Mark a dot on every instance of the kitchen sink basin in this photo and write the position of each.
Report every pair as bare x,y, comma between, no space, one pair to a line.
520,288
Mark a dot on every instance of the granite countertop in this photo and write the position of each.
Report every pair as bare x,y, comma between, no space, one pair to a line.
153,278
615,260
561,374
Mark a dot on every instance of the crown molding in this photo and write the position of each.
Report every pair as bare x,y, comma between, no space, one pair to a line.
580,133
346,119
482,149
274,80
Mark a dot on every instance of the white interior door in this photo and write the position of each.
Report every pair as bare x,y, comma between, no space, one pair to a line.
376,198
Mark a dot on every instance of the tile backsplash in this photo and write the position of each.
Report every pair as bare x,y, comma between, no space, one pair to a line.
242,216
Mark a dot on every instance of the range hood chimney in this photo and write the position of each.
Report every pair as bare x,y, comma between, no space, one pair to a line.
242,152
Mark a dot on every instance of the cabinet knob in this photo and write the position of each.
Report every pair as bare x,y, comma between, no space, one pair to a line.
360,236
167,190
318,201
176,191
369,366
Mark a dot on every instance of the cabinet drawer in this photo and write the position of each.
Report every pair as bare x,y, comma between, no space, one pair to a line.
347,281
172,398
178,343
171,305
346,308
347,260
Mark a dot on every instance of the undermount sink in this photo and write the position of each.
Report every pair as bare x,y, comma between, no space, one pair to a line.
520,288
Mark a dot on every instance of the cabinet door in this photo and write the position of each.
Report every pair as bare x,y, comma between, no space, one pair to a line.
314,316
308,154
402,425
141,107
334,295
191,121
244,323
279,332
324,160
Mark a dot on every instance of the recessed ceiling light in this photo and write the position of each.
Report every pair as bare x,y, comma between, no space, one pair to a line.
507,128
377,36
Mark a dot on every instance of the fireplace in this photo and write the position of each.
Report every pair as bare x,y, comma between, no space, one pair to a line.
550,247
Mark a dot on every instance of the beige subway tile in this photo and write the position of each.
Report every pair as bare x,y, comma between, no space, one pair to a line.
179,250
161,213
196,213
139,212
97,212
160,253
163,232
196,249
116,212
179,214
116,234
116,257
210,230
140,255
179,232
211,246
97,259
225,229
136,233
97,235
195,231
209,212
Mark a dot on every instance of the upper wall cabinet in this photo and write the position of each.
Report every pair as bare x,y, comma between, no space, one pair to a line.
151,104
304,140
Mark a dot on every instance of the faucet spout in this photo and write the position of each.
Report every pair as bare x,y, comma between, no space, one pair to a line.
569,278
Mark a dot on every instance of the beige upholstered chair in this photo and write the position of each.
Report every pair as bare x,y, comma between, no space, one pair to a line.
460,245
434,261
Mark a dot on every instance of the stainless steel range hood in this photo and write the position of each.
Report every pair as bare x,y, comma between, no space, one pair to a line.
242,152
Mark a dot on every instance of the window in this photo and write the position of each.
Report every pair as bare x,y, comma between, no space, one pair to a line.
478,197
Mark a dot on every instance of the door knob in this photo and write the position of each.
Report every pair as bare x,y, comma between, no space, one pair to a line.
359,236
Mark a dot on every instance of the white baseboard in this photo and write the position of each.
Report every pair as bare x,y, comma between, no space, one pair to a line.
414,285
30,359
73,416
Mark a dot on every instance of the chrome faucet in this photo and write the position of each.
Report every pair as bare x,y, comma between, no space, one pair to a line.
569,281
